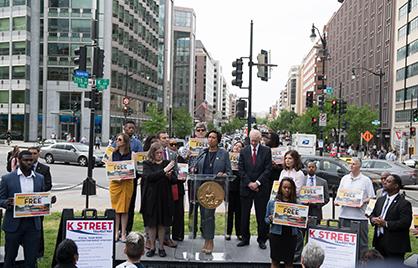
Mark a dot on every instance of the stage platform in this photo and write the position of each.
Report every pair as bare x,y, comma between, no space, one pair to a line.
226,254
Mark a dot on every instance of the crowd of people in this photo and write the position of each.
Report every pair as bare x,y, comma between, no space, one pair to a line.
162,199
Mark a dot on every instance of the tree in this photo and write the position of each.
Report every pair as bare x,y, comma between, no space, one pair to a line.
359,120
182,122
157,120
283,122
232,125
211,126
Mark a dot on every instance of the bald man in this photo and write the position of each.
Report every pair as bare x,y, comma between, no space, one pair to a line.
254,168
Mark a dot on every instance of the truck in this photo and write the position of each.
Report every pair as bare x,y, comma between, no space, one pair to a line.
305,144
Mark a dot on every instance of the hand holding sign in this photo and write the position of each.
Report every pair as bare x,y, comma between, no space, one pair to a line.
169,167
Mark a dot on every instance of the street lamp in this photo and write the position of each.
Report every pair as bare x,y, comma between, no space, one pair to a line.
380,74
324,56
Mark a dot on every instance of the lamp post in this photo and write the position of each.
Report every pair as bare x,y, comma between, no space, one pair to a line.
127,75
324,56
380,74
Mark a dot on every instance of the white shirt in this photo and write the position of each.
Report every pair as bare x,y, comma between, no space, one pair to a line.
297,176
360,182
256,149
310,182
385,208
126,264
26,183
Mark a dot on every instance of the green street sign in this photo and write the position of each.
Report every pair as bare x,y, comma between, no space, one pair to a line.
102,84
81,82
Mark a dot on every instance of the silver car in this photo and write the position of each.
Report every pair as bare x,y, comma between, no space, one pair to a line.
69,153
408,175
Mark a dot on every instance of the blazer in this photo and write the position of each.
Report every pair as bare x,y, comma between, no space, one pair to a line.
398,218
45,171
221,163
316,209
250,173
10,184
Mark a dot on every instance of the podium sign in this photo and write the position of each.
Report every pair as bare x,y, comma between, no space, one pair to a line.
207,194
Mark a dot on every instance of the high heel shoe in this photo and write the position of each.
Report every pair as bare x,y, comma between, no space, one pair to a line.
150,253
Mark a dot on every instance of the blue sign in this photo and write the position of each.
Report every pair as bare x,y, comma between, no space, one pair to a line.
79,73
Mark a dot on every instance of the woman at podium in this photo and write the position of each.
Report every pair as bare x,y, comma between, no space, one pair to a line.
212,161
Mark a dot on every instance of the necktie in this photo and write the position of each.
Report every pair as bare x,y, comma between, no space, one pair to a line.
254,155
165,154
312,181
381,230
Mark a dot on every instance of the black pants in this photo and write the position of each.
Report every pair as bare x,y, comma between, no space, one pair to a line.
234,209
380,246
131,211
260,200
177,230
41,241
27,236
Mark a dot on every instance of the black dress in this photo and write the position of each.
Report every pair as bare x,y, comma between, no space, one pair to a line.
282,247
157,201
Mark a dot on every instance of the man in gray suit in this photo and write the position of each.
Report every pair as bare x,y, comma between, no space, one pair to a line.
315,210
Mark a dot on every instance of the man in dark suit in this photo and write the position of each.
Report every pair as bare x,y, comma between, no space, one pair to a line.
391,217
255,185
21,231
45,171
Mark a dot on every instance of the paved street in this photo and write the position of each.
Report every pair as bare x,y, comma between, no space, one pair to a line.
65,176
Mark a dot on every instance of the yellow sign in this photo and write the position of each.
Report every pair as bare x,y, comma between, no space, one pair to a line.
120,170
290,214
31,205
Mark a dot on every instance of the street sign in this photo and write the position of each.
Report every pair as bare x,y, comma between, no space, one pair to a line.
367,136
376,122
102,84
398,135
322,119
79,73
125,101
82,82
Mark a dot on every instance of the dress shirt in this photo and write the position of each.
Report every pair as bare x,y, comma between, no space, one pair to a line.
256,153
385,208
298,177
311,181
26,183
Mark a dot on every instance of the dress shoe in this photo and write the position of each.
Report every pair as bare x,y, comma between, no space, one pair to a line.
161,253
239,237
262,245
178,239
170,243
243,243
150,253
228,237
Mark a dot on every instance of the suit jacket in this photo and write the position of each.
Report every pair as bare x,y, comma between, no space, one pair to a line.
221,163
398,218
10,184
45,171
250,173
316,209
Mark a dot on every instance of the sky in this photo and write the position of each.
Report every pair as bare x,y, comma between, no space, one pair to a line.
280,26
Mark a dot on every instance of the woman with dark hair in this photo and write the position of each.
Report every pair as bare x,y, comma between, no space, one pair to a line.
234,202
213,160
292,168
156,201
148,141
121,190
281,234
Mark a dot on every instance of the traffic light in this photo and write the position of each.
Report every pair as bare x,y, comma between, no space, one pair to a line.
334,106
321,99
241,106
125,110
81,59
345,125
237,73
415,115
309,99
412,131
343,106
314,121
322,85
263,71
98,65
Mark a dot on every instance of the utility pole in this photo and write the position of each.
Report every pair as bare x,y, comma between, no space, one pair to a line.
339,121
250,80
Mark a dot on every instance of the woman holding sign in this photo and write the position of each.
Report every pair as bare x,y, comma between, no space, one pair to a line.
157,206
281,235
121,190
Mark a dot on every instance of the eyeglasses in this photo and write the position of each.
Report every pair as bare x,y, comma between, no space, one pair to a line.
200,130
119,139
173,144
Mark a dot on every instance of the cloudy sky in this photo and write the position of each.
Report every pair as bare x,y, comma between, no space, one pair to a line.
281,26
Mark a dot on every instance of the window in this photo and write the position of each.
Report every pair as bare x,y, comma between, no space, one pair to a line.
18,72
59,3
366,164
59,25
400,74
402,32
413,47
19,48
4,96
80,26
18,96
81,3
330,167
400,54
403,10
4,24
4,49
4,3
19,23
19,2
4,72
58,74
58,49
412,70
381,165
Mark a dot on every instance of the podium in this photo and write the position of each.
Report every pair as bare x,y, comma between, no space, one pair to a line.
208,203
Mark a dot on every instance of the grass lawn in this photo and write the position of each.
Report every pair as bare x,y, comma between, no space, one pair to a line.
51,224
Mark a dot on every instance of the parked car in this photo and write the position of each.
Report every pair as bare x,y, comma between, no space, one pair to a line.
69,153
333,169
413,162
408,175
49,142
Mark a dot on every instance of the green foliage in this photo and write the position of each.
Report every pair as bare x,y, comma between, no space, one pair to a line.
262,121
211,126
182,123
360,119
232,125
157,120
283,122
